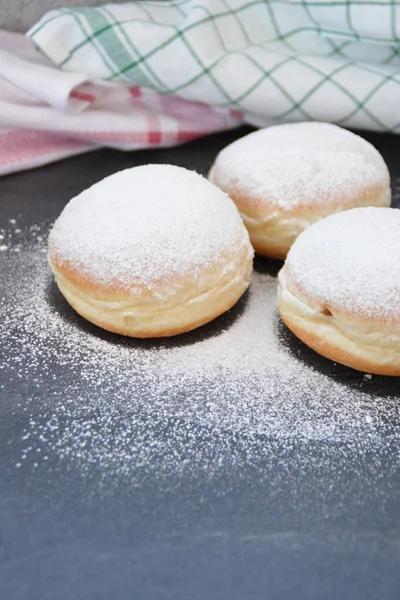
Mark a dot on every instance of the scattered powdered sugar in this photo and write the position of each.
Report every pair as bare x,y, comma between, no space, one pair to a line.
302,164
145,224
351,261
189,403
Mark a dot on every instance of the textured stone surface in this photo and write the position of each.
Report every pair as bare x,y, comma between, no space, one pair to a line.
122,470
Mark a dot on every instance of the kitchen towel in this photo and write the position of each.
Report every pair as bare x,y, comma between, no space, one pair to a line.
148,74
47,114
273,60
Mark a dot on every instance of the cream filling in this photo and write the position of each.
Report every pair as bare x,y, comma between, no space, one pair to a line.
368,340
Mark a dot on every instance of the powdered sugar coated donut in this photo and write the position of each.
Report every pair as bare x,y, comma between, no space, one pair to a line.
339,290
151,251
284,178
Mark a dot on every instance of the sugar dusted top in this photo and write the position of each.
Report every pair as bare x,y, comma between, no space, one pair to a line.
147,224
301,164
350,262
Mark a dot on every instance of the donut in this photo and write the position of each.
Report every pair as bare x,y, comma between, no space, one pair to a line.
339,289
284,178
151,251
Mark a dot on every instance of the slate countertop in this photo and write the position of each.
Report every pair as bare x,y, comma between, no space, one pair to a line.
313,519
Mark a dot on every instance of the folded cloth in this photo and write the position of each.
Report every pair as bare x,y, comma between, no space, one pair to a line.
274,60
145,74
47,114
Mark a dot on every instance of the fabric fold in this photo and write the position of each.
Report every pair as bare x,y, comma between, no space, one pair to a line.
149,74
47,114
273,60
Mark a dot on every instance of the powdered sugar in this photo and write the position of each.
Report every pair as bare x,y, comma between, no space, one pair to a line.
351,261
302,164
201,401
147,224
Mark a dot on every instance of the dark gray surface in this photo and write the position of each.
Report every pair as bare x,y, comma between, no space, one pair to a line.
20,15
312,520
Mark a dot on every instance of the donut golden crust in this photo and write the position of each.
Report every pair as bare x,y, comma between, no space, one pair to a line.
339,290
152,251
344,341
284,178
146,315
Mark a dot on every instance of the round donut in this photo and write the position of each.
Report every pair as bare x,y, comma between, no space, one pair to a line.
151,251
339,290
284,178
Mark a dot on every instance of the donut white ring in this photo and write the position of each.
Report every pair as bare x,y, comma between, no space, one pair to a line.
284,178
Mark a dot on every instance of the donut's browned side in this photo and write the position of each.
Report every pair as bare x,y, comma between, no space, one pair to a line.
273,230
347,354
145,314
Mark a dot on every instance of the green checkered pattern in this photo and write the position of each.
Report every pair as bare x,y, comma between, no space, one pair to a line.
277,60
